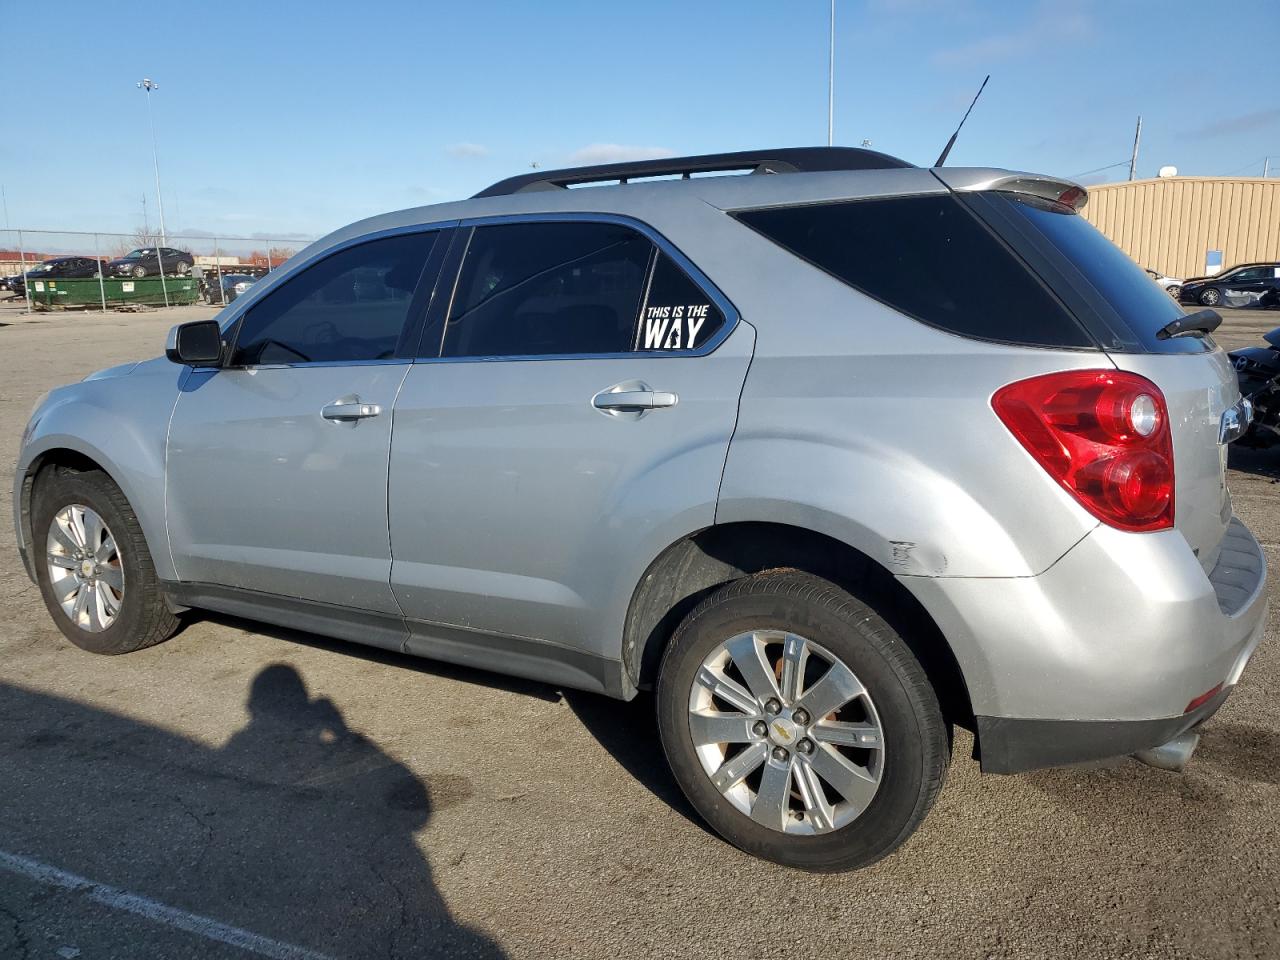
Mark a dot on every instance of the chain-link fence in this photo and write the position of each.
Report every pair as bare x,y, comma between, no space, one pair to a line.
68,269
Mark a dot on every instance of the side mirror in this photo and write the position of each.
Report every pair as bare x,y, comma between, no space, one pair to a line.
197,344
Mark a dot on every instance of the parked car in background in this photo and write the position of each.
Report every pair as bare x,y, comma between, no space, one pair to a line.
57,268
147,262
233,285
1171,285
604,476
1241,285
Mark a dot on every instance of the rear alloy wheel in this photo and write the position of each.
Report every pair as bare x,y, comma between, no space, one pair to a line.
799,724
183,268
92,564
1210,297
807,784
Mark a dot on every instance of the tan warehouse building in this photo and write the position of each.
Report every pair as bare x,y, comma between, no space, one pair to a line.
1175,225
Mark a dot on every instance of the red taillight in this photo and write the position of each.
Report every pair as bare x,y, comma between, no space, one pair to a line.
1073,197
1102,434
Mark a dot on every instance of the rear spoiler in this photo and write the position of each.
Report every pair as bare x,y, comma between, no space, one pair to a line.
974,179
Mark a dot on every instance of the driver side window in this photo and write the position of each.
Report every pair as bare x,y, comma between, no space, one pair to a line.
350,306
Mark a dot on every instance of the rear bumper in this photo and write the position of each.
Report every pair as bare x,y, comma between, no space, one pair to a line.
1101,654
1009,745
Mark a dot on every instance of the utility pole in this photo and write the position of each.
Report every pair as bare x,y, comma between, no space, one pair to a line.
831,79
148,85
1266,170
146,227
5,198
1133,161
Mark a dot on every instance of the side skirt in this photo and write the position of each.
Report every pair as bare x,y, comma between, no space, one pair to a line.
516,656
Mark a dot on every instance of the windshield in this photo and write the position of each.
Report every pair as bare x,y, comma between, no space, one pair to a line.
137,254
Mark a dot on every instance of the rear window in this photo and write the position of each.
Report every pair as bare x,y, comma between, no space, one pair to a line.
1114,295
931,259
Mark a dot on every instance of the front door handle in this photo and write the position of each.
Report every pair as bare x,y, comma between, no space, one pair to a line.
634,400
350,408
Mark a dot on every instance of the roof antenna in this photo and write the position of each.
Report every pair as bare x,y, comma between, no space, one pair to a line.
942,157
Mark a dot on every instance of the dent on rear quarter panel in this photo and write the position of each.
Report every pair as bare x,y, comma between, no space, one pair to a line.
120,423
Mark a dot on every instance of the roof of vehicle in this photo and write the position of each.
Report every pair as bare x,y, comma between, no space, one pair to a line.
1234,267
780,160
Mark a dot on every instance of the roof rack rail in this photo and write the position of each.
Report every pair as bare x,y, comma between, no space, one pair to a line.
783,160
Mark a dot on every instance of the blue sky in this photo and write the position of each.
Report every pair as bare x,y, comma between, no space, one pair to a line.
295,118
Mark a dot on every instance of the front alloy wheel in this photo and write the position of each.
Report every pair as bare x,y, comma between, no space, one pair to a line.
86,572
1210,297
797,746
97,579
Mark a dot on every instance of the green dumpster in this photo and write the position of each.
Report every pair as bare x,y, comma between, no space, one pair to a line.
87,293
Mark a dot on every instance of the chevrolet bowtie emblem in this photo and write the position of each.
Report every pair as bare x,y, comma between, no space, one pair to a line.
782,731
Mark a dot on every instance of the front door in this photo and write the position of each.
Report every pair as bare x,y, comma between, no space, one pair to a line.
277,463
577,418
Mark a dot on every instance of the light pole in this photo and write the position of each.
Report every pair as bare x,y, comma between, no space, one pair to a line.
148,85
831,79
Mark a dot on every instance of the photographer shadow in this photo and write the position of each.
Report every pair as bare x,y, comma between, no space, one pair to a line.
299,829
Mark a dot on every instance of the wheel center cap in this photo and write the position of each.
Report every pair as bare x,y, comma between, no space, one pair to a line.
783,731
86,568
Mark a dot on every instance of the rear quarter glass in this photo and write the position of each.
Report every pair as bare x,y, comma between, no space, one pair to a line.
930,258
1107,292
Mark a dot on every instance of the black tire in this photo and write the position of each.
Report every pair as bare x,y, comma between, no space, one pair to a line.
144,619
915,736
1210,297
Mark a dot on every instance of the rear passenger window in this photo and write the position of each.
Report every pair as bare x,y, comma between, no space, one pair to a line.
678,314
928,258
548,289
350,306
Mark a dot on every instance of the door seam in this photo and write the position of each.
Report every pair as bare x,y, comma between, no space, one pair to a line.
391,437
737,418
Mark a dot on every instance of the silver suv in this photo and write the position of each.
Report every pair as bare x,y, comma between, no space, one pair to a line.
831,455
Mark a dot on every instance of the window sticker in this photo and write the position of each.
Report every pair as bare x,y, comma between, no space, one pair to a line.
674,327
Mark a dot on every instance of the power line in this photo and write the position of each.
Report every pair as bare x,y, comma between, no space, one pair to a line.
1251,163
1122,163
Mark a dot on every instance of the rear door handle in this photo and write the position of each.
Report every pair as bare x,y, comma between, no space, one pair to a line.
350,408
634,400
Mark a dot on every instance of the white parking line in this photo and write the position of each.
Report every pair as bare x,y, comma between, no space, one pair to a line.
152,910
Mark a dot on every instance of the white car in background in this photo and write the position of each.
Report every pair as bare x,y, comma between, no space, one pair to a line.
1172,286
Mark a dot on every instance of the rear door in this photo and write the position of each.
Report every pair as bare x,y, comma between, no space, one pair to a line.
574,408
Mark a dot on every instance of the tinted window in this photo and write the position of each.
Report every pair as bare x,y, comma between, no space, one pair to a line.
349,306
678,314
1251,273
929,258
1141,306
542,289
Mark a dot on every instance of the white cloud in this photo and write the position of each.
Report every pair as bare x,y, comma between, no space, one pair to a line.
595,153
467,150
1050,25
